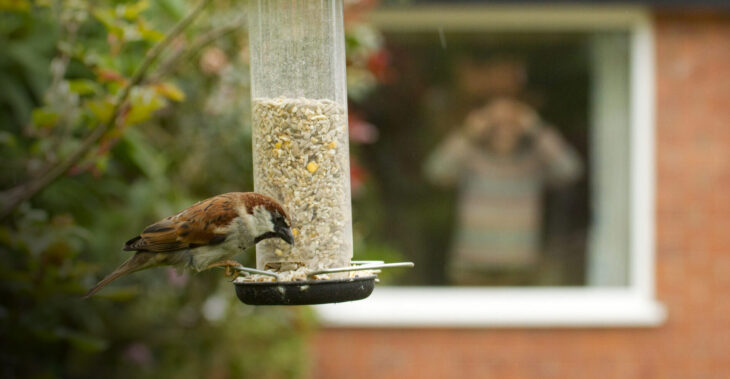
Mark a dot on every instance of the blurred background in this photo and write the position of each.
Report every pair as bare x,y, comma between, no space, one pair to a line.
451,121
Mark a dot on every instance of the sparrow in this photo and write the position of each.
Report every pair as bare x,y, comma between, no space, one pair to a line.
206,235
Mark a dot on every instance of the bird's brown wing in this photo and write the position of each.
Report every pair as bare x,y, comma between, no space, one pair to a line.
205,223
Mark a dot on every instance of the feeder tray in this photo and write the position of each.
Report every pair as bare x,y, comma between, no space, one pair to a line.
312,291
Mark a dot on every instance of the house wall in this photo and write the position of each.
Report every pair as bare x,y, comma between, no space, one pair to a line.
693,256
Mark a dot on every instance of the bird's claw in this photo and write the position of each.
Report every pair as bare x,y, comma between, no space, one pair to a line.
229,267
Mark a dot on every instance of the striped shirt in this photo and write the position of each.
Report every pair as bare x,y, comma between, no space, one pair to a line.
499,210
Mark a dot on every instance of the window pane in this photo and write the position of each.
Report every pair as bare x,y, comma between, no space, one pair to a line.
503,157
609,233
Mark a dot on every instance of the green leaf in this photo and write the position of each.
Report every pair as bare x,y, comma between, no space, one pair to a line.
149,34
7,139
122,294
105,16
144,102
44,117
83,86
170,91
15,5
147,159
82,341
131,12
102,163
6,236
101,109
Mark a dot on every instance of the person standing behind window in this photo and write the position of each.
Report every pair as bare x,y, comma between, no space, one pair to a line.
501,160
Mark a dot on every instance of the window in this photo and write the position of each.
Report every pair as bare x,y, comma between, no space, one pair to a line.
572,240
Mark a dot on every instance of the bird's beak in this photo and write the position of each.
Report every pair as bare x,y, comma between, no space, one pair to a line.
284,232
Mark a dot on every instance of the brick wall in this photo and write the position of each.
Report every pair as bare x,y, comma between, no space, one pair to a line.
693,256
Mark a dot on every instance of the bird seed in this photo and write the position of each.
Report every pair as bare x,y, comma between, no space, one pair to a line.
301,159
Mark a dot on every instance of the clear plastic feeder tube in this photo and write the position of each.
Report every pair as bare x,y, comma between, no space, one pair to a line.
300,142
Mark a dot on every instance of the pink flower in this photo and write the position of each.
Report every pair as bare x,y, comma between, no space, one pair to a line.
139,354
213,60
175,278
361,131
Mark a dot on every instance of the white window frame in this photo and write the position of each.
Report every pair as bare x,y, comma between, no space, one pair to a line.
631,306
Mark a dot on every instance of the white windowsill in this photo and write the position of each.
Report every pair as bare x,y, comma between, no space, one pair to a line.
455,307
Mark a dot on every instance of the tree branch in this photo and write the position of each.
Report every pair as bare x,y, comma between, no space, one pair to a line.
15,196
169,65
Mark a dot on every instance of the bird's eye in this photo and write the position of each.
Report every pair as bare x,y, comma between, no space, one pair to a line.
282,221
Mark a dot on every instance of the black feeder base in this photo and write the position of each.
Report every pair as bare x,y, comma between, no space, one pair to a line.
305,292
312,291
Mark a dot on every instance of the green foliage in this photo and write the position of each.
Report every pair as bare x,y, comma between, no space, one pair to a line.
183,135
179,328
180,138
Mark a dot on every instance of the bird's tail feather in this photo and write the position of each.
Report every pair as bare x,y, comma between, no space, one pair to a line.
137,262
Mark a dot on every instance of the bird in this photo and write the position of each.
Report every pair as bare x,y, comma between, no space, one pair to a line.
206,235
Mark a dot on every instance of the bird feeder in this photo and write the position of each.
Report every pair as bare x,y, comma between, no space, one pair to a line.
301,154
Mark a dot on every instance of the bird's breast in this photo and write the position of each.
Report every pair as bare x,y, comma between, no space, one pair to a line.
202,257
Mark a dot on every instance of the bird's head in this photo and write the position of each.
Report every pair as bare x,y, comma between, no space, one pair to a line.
271,221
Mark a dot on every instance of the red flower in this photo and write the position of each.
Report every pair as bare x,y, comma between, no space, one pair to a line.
378,63
358,176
